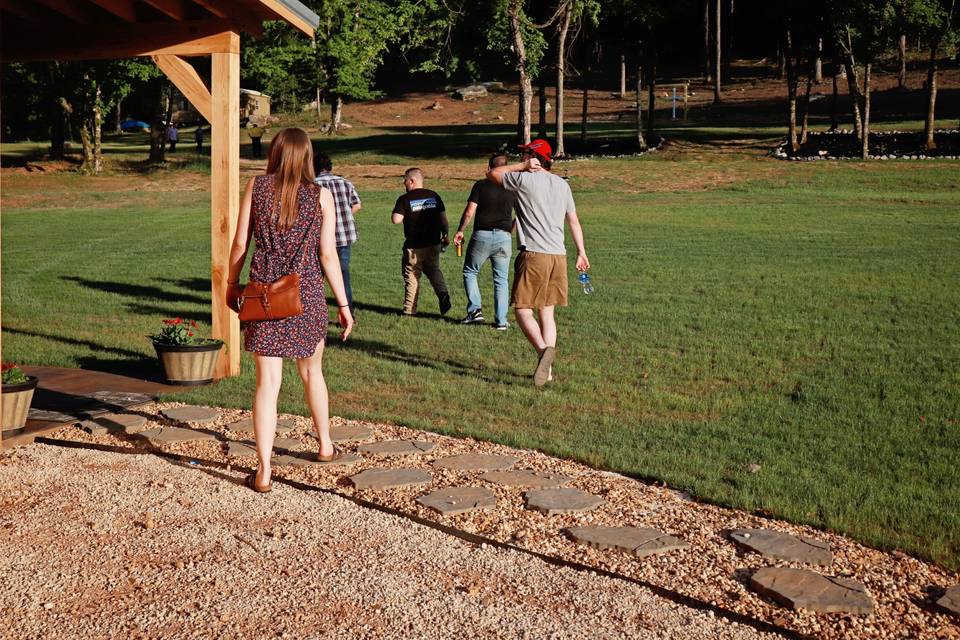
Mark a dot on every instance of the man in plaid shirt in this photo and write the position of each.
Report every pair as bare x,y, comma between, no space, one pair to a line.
347,204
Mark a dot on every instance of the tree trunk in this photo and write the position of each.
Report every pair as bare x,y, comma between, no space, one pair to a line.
97,134
717,48
818,63
806,104
158,128
641,141
561,79
930,123
781,64
728,42
651,97
902,55
336,115
791,94
853,86
319,112
91,127
707,55
623,76
526,87
542,131
583,114
835,103
866,111
59,112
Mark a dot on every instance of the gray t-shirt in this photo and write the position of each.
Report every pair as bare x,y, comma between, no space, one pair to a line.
543,201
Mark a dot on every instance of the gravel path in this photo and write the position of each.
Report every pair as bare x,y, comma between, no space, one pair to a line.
115,545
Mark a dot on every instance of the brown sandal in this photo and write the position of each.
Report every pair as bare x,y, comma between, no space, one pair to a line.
251,481
336,455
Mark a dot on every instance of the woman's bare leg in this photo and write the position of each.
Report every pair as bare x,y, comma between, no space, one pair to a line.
269,376
315,391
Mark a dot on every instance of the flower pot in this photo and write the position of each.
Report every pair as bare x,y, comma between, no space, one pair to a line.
188,364
16,402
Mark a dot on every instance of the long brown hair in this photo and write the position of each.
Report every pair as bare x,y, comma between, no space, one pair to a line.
291,164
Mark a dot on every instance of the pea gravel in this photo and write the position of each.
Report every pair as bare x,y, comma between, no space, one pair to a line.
100,544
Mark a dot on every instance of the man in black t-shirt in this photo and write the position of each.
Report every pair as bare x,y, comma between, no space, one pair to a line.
425,228
493,207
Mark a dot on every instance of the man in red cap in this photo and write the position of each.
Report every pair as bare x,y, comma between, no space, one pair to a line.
544,201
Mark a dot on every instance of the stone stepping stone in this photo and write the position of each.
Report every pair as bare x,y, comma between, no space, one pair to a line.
126,422
309,459
803,589
554,501
397,447
122,398
454,500
284,425
783,546
50,416
172,435
286,443
390,478
637,541
348,432
950,602
241,449
190,413
525,478
475,462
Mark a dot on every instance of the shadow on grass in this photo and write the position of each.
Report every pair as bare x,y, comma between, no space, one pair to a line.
136,290
388,352
395,311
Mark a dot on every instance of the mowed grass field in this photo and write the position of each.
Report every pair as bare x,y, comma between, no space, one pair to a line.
801,317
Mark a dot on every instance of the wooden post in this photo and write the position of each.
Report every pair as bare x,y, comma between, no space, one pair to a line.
224,200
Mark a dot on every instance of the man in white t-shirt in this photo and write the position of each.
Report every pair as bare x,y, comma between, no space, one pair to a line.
544,201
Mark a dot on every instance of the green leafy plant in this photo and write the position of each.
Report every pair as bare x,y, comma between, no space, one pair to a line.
12,374
181,332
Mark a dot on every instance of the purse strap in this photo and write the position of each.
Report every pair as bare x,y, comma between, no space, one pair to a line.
296,257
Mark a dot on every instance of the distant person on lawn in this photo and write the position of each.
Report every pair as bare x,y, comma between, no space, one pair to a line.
173,136
540,272
491,240
425,229
292,218
347,203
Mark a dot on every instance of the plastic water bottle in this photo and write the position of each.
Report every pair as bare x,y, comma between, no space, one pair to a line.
584,279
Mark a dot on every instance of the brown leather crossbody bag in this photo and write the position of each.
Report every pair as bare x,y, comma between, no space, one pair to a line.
278,299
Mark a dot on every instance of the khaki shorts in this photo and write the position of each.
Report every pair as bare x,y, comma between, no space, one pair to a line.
539,280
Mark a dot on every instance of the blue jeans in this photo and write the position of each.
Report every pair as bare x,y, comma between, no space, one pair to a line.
496,246
344,254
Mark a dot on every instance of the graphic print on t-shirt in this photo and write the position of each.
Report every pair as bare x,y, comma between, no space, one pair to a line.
423,203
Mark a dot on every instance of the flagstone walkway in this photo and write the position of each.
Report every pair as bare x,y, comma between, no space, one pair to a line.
790,576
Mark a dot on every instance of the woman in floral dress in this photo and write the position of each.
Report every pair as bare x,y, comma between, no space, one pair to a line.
290,217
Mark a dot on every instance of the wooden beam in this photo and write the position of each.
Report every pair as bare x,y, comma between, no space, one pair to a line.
176,9
97,42
223,9
224,201
29,12
214,7
123,9
285,13
182,74
70,9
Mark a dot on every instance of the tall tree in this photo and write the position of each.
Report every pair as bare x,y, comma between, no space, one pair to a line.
717,98
528,46
575,13
937,26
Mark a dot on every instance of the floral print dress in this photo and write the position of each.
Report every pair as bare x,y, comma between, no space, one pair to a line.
278,253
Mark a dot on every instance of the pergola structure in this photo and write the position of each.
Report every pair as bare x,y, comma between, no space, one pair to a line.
167,31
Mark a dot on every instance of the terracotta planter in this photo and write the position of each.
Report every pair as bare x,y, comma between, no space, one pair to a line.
188,364
16,402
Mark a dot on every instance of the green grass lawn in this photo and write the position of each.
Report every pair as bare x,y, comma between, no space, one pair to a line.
803,318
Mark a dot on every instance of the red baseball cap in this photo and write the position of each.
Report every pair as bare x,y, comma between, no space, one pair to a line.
540,147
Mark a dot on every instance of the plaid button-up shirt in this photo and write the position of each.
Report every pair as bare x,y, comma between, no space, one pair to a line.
344,198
